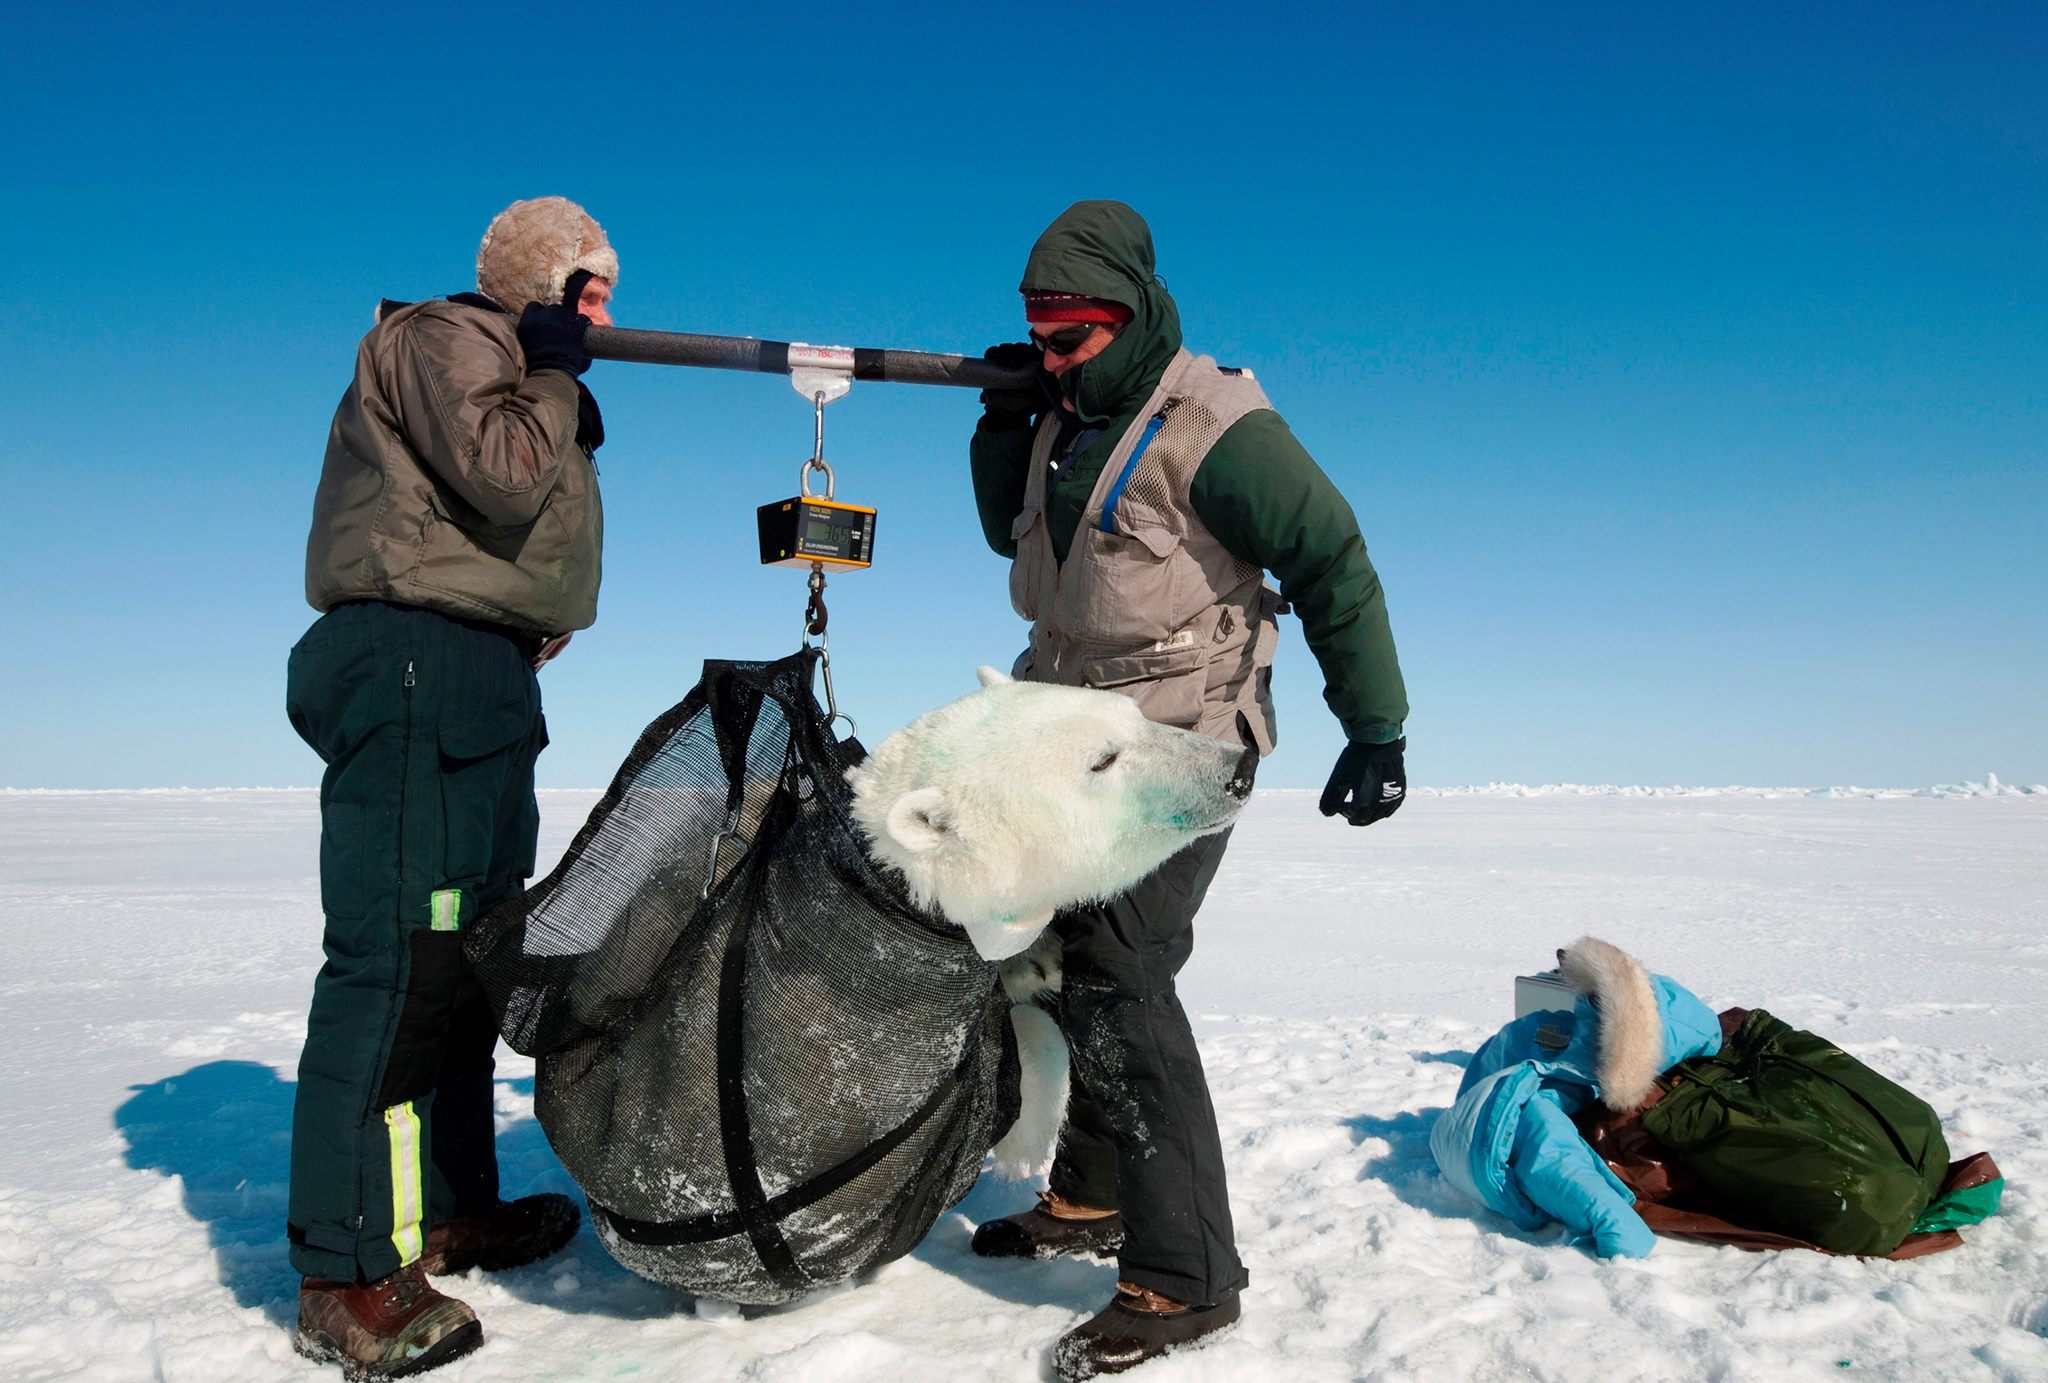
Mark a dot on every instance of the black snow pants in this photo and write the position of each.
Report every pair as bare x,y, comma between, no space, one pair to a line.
1141,1133
429,727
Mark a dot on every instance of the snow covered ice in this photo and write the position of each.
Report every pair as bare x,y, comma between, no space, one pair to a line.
161,948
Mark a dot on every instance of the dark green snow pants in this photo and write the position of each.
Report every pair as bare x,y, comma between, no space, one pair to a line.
1140,1135
429,727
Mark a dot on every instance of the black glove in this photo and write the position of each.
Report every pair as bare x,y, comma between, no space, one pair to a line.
551,334
589,421
1016,407
1368,782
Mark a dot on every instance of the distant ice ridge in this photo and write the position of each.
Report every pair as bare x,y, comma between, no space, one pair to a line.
1990,787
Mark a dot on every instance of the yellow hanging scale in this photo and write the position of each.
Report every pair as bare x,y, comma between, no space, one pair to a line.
808,530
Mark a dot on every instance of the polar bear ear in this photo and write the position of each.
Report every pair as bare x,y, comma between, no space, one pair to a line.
920,820
989,676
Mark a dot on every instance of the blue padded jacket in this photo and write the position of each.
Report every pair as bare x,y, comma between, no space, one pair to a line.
1509,1142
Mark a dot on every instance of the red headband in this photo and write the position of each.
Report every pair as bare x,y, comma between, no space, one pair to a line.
1073,307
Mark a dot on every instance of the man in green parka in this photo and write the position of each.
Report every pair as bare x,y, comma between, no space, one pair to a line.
1143,493
454,547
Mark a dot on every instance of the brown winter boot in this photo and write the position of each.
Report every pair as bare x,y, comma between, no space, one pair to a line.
1137,1325
512,1235
391,1328
1052,1227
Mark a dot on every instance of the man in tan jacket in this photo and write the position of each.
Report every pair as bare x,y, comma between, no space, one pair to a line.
455,546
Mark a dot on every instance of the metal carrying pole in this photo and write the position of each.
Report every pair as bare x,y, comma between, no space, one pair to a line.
782,357
821,374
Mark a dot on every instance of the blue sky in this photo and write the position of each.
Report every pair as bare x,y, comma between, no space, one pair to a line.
1687,367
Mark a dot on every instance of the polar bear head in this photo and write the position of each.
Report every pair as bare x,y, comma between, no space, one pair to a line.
1023,798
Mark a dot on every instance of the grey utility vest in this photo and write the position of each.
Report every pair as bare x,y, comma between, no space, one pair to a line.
1148,602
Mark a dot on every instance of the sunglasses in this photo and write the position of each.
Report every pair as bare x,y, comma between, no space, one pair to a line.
1066,340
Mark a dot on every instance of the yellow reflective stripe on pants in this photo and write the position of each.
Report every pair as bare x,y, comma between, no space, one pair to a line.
408,1202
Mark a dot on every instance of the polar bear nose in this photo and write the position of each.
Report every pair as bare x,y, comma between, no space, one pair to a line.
1240,784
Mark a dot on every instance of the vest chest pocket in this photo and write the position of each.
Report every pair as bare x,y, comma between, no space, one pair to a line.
1167,680
1027,567
1131,590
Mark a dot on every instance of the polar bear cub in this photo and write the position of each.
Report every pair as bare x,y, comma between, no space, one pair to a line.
1022,798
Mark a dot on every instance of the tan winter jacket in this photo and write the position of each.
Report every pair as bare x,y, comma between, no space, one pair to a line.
454,480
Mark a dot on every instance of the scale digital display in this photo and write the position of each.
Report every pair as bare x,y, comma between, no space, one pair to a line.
797,532
830,533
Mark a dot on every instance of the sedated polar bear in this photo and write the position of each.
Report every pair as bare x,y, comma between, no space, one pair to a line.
1005,806
1023,798
771,1040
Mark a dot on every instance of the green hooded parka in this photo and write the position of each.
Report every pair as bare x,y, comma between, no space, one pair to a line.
1257,490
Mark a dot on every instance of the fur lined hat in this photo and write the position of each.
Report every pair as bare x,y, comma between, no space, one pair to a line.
533,246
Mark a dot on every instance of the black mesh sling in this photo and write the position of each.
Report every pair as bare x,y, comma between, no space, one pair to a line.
766,1069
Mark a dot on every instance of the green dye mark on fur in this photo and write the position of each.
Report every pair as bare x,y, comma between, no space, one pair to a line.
1155,806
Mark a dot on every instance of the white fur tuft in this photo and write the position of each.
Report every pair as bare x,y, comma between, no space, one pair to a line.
1027,1149
1631,1033
989,677
1033,971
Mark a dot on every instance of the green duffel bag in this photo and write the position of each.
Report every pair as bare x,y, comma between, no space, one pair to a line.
1795,1136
